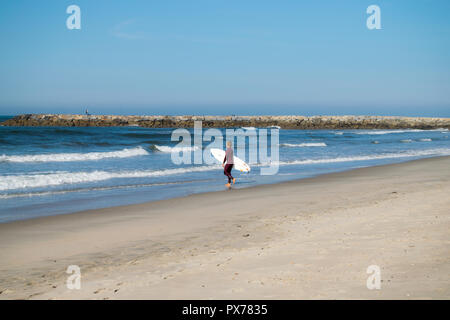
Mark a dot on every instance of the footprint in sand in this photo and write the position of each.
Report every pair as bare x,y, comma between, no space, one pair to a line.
133,262
99,290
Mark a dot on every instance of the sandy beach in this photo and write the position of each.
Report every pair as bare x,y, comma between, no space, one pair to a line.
305,239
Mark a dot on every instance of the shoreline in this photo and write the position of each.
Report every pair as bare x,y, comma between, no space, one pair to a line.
205,245
295,180
263,121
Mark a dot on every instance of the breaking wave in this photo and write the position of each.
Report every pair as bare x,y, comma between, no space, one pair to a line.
174,149
63,178
68,157
300,145
431,152
399,131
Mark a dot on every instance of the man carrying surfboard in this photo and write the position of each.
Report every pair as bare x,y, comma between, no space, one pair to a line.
229,159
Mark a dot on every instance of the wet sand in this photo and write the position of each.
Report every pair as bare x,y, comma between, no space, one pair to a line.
305,239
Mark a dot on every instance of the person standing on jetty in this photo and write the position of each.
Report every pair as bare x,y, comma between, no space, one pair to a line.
229,159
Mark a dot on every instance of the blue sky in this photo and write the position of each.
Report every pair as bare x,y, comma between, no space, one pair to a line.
225,57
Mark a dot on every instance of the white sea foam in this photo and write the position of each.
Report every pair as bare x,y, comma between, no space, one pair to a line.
412,153
62,178
249,128
425,140
175,149
397,131
314,144
406,140
68,157
13,182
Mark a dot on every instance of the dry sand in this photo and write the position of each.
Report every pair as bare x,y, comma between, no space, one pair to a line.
306,239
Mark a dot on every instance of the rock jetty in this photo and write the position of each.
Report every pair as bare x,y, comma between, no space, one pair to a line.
285,122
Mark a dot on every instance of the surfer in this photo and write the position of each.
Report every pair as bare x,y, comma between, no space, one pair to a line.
229,159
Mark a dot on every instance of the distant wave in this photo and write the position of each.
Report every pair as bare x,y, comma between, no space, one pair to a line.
314,144
174,149
248,128
68,157
398,131
418,153
63,178
407,140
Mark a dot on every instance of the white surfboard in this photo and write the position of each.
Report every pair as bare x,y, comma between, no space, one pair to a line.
239,164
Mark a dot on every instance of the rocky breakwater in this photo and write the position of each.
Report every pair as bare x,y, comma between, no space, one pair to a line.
285,122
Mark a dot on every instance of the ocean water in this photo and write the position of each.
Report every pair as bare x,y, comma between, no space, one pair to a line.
57,170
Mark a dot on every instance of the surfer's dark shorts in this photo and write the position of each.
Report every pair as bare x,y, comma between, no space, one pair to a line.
227,170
